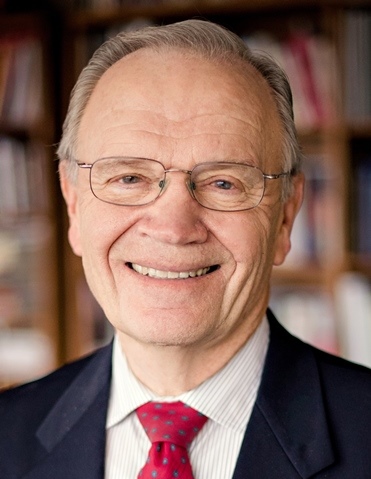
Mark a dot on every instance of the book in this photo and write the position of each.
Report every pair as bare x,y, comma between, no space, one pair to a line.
21,85
352,295
311,66
307,313
363,206
23,178
357,68
315,235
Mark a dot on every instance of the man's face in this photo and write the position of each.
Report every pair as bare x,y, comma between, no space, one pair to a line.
181,110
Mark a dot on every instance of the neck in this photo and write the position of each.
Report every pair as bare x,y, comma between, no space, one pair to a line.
173,370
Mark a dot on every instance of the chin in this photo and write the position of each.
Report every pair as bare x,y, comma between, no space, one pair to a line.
167,332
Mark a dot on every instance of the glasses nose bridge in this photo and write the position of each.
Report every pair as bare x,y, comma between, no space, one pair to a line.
178,170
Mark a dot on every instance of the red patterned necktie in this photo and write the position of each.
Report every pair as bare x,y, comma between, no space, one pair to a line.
171,427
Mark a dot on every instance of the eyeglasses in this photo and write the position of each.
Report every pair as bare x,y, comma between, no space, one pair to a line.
220,186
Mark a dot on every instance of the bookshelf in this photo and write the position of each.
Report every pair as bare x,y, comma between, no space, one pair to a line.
325,47
29,321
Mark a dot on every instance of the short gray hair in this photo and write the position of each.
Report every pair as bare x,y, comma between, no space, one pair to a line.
201,37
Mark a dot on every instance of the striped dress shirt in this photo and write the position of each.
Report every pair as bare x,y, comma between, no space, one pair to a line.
227,399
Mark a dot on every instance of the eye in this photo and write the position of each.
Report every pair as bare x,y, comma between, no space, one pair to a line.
220,184
223,184
129,179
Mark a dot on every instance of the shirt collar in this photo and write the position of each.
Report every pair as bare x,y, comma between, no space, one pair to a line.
226,398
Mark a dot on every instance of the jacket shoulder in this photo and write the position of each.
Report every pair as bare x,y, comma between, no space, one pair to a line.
36,418
344,380
28,403
336,372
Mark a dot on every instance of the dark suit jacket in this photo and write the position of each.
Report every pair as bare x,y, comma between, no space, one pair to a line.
312,419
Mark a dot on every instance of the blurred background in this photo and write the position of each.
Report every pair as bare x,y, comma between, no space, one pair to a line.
323,291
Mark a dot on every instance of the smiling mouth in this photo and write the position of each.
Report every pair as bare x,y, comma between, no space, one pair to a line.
156,273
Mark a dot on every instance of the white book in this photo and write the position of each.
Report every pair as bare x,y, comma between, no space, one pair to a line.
353,307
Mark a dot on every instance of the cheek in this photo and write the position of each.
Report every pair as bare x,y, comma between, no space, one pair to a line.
101,225
249,239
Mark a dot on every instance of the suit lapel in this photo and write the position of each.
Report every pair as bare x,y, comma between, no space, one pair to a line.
73,433
287,435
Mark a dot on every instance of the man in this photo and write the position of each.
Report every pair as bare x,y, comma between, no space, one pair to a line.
181,173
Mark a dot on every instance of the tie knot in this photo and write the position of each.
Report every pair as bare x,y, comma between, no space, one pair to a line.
173,422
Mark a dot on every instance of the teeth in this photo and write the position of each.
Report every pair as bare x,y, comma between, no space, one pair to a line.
156,273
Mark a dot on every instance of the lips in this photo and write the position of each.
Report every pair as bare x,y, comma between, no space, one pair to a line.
156,273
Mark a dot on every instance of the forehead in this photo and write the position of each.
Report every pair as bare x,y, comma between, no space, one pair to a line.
180,95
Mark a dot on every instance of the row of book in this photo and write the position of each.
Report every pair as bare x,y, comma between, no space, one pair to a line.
26,232
310,63
21,85
317,229
316,236
23,182
337,322
313,68
357,48
361,211
26,351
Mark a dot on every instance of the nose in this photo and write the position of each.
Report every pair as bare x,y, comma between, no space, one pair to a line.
175,217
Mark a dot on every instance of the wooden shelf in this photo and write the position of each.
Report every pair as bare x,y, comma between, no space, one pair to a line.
94,18
361,129
201,7
303,274
360,263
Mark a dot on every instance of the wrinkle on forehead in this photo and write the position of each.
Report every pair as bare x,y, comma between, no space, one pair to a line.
197,148
228,82
154,122
180,98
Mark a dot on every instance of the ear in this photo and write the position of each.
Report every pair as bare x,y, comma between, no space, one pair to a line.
69,191
290,209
